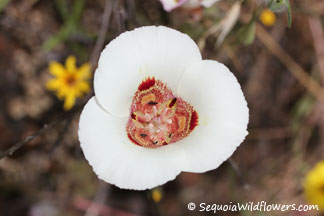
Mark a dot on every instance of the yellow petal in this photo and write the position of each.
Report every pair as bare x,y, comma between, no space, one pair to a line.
69,101
70,64
314,185
54,84
84,71
83,87
76,92
56,69
62,92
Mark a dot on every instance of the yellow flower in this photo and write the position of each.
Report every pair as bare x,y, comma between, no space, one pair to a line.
69,82
314,186
267,17
156,194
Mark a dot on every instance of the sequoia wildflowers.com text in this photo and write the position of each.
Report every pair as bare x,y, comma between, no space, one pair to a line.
261,206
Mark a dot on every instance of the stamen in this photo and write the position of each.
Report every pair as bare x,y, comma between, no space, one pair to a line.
133,116
152,103
148,98
172,102
181,123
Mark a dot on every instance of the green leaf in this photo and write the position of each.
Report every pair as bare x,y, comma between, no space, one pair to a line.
280,5
77,9
60,36
289,13
61,6
277,5
246,34
3,4
71,23
301,110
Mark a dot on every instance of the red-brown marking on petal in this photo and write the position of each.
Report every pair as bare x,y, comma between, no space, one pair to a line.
147,84
133,140
193,120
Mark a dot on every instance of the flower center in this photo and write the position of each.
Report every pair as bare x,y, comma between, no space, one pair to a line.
157,117
70,79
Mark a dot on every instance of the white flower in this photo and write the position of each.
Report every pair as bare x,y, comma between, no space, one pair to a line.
169,5
159,109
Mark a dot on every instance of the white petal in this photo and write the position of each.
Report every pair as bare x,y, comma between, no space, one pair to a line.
223,114
147,51
169,5
208,3
118,161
